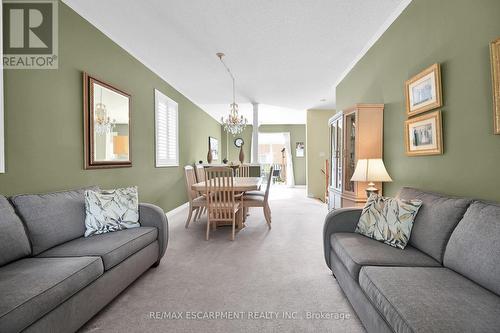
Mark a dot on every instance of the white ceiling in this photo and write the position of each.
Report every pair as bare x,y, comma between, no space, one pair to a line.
286,55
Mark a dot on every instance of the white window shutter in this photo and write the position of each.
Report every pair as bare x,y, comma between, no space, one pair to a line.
166,131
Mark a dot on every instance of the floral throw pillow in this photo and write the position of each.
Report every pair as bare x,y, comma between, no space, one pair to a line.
111,210
388,220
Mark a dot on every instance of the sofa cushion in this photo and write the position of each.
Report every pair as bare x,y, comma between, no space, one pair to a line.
356,251
435,220
430,299
14,243
52,218
112,247
388,220
32,287
474,246
111,210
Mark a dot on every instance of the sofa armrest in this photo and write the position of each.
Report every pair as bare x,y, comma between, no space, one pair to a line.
339,220
153,216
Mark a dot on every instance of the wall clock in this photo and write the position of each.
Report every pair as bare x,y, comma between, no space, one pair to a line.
238,142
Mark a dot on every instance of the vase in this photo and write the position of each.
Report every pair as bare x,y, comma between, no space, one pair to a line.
209,156
242,155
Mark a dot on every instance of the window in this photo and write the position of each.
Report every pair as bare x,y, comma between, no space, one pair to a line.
166,131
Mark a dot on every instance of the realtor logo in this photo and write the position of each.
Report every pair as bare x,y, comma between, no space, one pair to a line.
30,34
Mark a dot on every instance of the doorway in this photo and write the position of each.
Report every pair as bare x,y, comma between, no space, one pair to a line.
274,150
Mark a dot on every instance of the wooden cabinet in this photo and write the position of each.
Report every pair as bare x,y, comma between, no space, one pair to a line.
355,132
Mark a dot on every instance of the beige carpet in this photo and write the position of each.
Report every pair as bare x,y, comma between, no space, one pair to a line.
264,281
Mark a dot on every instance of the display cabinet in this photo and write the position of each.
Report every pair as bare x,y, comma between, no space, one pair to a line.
355,132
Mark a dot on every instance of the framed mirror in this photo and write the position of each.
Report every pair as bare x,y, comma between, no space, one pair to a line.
106,125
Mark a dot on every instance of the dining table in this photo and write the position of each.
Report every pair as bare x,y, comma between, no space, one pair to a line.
240,185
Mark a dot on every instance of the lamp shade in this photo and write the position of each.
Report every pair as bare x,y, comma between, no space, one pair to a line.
370,170
120,145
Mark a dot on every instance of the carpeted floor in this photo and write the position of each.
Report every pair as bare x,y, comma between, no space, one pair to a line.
264,281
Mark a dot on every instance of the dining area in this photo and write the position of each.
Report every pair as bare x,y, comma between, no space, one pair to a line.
223,195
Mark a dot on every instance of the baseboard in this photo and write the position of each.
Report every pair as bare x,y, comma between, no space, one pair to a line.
176,210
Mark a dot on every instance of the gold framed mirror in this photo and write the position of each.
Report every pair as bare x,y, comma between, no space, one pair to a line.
495,78
106,125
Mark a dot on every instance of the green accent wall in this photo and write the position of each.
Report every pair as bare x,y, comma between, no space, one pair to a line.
297,134
318,150
230,151
44,121
456,34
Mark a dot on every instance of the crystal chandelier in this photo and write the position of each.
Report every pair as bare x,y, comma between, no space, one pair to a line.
103,123
233,123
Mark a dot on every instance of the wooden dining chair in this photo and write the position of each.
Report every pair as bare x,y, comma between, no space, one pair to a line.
196,201
222,202
243,171
200,177
269,179
252,200
200,173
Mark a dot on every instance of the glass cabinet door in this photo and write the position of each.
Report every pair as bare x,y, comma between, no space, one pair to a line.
350,148
339,153
336,154
333,149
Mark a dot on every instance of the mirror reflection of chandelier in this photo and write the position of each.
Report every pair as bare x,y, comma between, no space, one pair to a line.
234,123
102,122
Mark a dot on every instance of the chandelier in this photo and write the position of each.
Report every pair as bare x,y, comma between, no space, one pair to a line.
233,123
103,123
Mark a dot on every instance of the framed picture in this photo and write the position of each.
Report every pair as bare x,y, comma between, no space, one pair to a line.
299,149
423,135
495,79
423,91
107,123
213,144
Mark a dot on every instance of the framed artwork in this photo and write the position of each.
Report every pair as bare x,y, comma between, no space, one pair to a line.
107,123
213,144
423,91
299,149
495,79
423,135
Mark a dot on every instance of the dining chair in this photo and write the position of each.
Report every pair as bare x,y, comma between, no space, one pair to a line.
196,201
252,200
243,171
200,173
222,201
269,176
200,177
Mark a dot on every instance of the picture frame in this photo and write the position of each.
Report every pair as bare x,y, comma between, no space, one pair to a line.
213,145
299,149
495,82
107,125
423,135
423,91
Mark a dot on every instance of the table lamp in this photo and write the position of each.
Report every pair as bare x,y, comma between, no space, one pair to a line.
371,170
120,145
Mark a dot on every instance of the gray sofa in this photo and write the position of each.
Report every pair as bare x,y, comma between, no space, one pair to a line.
446,280
52,279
